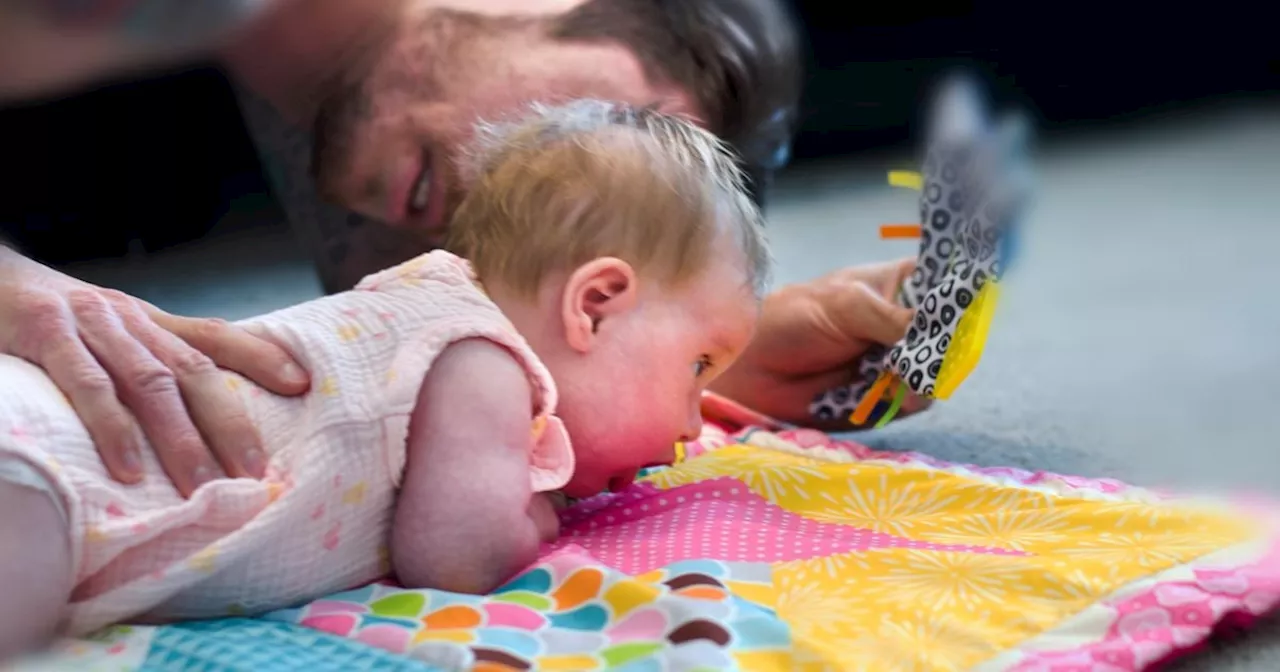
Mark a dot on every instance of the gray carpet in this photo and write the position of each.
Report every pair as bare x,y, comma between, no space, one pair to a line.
1135,339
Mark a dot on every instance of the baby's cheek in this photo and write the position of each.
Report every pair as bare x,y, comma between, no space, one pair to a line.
650,445
628,432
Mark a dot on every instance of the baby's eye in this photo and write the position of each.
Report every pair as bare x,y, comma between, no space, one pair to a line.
701,366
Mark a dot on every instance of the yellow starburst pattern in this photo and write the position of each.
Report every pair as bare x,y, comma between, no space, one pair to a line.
1021,523
771,474
1143,549
1066,589
882,500
818,611
828,567
831,614
1207,521
952,582
919,641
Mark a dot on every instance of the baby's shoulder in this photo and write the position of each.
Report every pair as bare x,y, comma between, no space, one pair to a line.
438,267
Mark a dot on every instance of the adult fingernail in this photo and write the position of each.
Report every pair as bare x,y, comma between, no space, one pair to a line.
292,373
203,474
131,460
255,462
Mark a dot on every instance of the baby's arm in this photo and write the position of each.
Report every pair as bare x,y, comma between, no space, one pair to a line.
466,519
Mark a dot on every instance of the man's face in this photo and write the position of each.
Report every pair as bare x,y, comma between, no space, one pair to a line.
389,146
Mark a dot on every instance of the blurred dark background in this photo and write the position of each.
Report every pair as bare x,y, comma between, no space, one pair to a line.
160,162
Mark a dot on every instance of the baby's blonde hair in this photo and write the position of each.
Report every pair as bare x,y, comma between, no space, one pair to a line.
571,183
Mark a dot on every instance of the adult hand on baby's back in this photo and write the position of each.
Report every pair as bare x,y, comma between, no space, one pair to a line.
811,338
130,369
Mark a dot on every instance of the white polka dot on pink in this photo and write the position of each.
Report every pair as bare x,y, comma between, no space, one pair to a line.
718,519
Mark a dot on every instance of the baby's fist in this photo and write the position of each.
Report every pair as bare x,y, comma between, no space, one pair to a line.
542,509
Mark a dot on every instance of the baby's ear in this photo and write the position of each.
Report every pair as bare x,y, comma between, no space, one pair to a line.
597,291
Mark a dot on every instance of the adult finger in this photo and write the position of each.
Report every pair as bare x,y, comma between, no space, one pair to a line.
886,277
864,314
218,411
235,348
50,341
902,271
891,276
149,388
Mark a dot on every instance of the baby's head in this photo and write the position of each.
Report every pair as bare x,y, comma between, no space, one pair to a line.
623,246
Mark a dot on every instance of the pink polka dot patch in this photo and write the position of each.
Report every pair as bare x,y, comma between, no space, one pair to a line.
644,528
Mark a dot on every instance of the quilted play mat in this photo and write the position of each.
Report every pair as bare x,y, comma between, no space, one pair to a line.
791,550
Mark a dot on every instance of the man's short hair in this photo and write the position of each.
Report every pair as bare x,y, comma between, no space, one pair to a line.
740,59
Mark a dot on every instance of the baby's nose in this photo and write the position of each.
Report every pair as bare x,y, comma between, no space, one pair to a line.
693,425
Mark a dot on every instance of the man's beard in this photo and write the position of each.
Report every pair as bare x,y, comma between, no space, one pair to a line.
335,134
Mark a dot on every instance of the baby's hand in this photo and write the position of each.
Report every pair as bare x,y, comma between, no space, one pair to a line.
543,509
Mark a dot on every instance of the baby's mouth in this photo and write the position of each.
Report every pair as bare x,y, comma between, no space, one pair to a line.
619,483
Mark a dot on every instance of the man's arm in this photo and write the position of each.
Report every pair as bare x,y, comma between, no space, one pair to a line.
466,518
49,47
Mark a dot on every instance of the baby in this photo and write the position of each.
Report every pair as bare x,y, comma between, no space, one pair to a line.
616,267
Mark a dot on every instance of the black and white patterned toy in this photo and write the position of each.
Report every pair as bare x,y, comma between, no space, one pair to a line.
973,190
